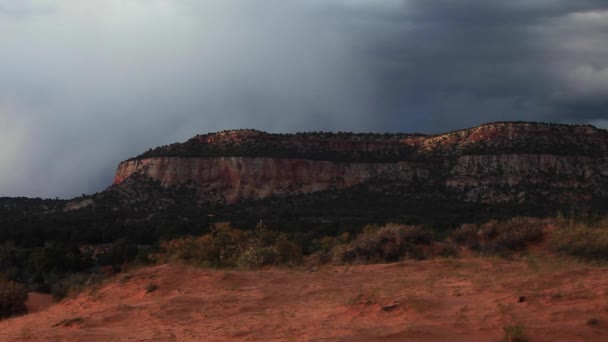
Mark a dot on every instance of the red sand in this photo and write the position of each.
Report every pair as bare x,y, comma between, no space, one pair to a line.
437,300
38,301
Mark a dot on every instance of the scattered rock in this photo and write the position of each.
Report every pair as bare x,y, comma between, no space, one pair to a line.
521,299
151,288
68,322
313,269
593,321
390,307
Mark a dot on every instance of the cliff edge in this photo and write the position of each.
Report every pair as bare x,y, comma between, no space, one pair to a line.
493,163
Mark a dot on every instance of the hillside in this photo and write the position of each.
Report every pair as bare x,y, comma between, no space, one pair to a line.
496,163
436,300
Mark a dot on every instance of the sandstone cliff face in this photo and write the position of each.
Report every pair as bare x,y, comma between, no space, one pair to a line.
235,178
495,163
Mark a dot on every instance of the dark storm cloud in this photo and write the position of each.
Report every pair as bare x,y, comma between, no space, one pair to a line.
448,64
87,84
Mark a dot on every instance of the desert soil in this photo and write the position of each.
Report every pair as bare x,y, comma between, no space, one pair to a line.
469,299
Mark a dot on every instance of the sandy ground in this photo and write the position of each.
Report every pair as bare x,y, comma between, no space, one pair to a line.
38,301
437,300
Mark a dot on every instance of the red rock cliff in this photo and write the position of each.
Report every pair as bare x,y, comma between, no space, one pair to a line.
236,178
493,163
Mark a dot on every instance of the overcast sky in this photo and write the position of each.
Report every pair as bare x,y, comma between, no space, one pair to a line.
86,84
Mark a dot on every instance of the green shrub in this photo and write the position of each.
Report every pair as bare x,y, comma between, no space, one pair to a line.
467,235
226,246
327,243
73,284
448,250
513,234
581,241
264,236
499,236
198,251
318,258
122,251
220,248
255,257
385,244
12,299
289,252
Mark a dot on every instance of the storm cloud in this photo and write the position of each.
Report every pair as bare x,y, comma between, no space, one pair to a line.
86,84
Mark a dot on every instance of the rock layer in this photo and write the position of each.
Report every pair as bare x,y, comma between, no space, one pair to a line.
235,178
494,163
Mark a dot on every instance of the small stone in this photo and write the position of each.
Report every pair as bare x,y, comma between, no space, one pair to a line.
521,299
593,321
151,288
390,307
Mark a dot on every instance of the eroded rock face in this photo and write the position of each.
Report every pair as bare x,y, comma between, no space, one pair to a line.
494,163
235,178
517,177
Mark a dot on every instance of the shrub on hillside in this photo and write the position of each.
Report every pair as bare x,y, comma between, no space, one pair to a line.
226,246
468,235
12,299
256,256
199,251
121,252
220,248
499,236
581,241
385,244
327,243
289,252
74,284
448,249
513,234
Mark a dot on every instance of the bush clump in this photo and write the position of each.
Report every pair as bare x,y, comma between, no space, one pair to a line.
587,242
499,236
256,257
227,246
390,243
12,299
73,284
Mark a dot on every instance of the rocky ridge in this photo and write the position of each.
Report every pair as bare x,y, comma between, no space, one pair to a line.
494,163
